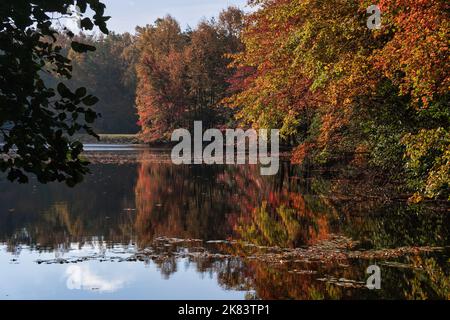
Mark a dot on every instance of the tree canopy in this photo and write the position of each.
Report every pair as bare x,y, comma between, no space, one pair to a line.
182,75
337,88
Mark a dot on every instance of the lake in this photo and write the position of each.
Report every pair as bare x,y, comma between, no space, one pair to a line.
140,227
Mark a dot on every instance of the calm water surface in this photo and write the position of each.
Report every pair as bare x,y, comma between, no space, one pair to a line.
141,228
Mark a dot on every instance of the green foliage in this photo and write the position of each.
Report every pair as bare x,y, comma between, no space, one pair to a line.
36,121
428,161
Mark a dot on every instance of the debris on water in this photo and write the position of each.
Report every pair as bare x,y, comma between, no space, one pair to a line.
303,272
395,264
315,260
391,253
342,282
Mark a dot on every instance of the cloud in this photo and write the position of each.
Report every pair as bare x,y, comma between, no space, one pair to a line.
82,278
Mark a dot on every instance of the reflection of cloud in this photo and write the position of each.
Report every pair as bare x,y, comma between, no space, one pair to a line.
82,278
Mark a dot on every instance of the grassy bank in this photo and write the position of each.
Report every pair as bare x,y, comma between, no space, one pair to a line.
111,139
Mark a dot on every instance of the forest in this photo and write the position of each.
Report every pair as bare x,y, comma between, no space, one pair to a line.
341,93
373,100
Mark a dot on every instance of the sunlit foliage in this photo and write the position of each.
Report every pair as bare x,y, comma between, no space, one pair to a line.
182,74
337,88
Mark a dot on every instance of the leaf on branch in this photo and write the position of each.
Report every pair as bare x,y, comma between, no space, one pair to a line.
81,47
81,92
90,100
87,24
64,92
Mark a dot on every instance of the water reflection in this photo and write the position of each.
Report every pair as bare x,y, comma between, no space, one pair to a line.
137,208
80,277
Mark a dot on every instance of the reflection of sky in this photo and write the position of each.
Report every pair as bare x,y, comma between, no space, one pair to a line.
80,277
25,279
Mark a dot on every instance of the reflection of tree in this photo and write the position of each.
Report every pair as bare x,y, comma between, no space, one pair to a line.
426,279
278,210
54,216
283,226
293,212
278,281
220,202
209,202
58,223
430,281
185,202
273,283
167,266
380,225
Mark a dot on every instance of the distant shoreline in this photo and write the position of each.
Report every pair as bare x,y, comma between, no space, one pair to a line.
130,139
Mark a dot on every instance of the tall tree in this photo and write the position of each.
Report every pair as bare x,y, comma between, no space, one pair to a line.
161,76
182,76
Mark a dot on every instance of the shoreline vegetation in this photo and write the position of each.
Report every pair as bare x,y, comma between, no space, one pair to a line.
379,108
372,101
130,139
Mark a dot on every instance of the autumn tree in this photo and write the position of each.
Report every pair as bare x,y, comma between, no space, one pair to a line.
343,92
160,95
182,75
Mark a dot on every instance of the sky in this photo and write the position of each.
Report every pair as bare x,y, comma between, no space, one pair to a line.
127,14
